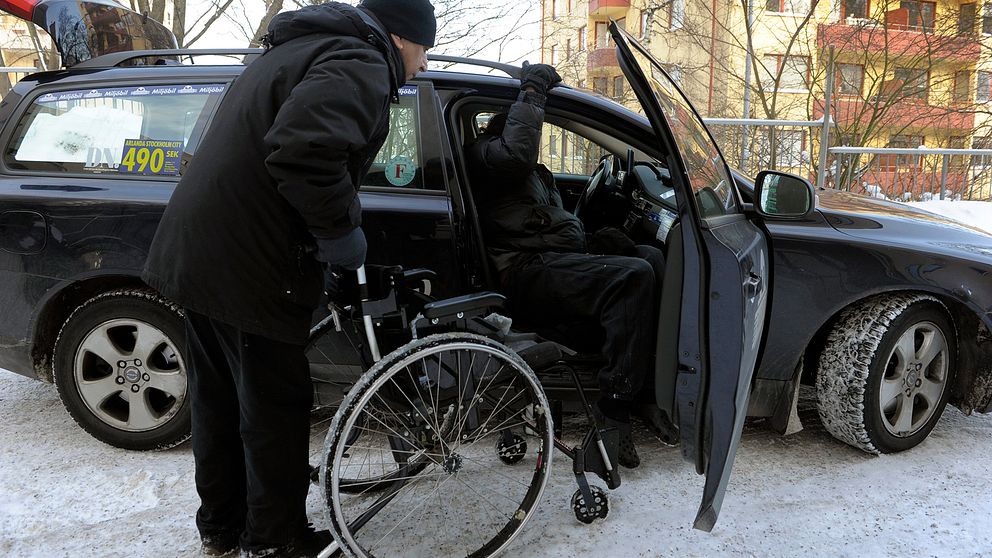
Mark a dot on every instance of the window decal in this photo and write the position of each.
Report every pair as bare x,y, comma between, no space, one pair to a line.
157,157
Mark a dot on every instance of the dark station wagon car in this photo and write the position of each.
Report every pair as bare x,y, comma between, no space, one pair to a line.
886,309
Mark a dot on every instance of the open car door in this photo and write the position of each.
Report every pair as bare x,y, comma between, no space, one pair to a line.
84,29
724,290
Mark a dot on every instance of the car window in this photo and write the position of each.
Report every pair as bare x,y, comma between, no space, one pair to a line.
708,176
143,130
566,152
399,164
562,151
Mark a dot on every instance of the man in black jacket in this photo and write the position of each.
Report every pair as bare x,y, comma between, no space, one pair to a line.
274,184
542,258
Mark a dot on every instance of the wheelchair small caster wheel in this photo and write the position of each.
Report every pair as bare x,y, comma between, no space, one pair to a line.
512,449
598,510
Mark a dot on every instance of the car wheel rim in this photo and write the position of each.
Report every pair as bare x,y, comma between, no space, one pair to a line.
130,375
915,378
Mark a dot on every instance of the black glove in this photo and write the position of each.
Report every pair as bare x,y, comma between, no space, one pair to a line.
610,241
541,77
347,252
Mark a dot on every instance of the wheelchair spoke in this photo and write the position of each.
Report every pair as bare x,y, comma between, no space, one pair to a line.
412,452
409,513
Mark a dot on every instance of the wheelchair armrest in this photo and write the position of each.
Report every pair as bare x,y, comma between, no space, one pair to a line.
468,305
419,274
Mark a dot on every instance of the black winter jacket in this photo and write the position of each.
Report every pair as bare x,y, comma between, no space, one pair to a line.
519,206
279,167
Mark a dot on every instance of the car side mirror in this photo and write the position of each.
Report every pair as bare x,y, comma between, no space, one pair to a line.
781,195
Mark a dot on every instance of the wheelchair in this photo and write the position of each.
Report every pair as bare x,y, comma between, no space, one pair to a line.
444,445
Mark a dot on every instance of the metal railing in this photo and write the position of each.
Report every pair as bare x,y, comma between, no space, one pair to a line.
753,145
908,174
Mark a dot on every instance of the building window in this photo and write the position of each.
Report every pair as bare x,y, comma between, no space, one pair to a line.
554,56
984,83
645,26
902,142
603,39
788,6
854,8
957,142
914,82
557,8
794,71
583,38
599,85
962,85
987,18
981,161
568,49
921,14
966,19
618,87
676,14
850,79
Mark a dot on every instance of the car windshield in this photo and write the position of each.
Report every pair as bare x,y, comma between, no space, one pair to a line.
708,175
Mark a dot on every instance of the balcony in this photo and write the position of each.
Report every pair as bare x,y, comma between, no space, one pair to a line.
911,113
608,8
602,59
898,38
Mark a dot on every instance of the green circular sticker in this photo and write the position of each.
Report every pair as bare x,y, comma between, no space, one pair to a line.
400,170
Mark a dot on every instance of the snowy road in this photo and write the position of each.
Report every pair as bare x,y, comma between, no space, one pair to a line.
62,493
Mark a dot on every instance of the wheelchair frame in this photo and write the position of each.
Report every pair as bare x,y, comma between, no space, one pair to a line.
473,314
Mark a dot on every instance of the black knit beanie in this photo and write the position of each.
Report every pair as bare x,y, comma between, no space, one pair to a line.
411,19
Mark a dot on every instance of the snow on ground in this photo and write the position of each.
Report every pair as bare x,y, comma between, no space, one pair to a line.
975,213
66,494
62,493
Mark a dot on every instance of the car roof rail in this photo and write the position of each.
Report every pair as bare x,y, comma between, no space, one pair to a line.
508,69
117,58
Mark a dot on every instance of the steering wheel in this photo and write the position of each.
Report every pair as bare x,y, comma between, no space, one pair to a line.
602,180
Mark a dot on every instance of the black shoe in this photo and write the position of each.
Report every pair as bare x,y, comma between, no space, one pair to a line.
658,423
308,544
220,545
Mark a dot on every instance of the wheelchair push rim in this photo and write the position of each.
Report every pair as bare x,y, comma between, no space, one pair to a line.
429,415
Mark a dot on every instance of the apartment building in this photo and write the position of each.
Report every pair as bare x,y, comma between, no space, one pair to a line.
906,73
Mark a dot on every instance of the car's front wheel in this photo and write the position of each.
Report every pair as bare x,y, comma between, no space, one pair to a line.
120,373
886,371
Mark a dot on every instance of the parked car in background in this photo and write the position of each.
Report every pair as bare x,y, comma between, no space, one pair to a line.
885,309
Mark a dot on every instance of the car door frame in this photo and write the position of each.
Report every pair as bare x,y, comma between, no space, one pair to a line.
710,413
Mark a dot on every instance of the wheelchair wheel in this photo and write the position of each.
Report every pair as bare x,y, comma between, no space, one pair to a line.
428,415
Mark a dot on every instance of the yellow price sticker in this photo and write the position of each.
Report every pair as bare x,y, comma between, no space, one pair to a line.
151,157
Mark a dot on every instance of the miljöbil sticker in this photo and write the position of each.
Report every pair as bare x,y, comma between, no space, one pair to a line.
400,170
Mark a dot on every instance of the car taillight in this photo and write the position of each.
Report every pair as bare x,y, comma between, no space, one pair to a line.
20,8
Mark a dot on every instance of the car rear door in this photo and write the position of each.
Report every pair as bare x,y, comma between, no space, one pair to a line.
725,283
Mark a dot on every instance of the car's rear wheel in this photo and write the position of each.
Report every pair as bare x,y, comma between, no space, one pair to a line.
120,372
886,371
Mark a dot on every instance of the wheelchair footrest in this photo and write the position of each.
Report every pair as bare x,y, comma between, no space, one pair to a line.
599,447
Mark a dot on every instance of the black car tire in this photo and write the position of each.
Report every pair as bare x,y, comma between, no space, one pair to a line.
864,361
128,396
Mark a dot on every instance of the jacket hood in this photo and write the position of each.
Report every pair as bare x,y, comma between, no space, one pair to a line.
335,18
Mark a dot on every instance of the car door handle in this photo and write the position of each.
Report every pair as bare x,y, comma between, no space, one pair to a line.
752,285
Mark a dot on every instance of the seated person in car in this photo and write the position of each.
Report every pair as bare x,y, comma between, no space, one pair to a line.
543,260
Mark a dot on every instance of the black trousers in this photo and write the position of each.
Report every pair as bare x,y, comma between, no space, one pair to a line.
617,294
251,399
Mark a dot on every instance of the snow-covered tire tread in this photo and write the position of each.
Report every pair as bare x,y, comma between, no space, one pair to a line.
845,363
